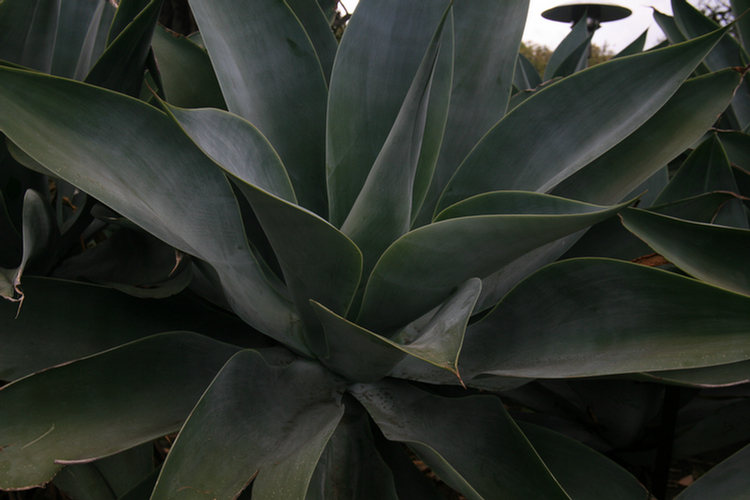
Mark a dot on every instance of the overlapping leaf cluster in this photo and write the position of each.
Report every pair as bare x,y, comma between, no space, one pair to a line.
304,251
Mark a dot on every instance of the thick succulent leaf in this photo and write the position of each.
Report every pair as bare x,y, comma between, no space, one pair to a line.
728,480
707,169
39,234
133,262
712,376
127,12
270,75
515,154
724,427
76,131
237,146
670,131
75,18
319,262
140,391
470,443
318,28
526,76
122,65
108,478
329,9
382,212
586,317
701,208
572,48
105,318
96,39
577,60
350,466
487,233
583,472
242,429
635,47
364,356
410,482
189,80
368,87
714,254
488,37
742,23
728,52
27,32
669,26
10,249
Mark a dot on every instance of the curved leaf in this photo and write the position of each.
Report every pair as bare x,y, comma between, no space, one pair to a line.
186,72
714,254
141,391
489,231
516,155
242,429
382,212
75,130
584,473
674,128
586,317
74,20
27,32
105,318
727,481
572,48
712,376
319,30
488,37
728,52
270,75
470,443
365,356
369,83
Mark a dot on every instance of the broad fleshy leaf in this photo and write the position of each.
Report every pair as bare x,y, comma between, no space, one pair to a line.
727,481
39,338
27,32
712,376
382,212
714,254
132,178
728,52
484,234
186,72
670,131
516,155
470,443
74,20
583,472
141,391
707,169
572,48
270,75
488,37
365,356
318,29
241,429
369,83
587,317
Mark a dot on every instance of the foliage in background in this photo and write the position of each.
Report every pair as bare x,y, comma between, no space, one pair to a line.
539,55
315,261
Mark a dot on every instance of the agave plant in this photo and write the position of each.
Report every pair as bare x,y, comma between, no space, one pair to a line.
333,256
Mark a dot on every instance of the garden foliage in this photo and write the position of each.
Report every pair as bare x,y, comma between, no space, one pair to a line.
317,260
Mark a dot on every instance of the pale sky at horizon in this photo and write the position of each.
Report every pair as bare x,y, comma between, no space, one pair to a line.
617,34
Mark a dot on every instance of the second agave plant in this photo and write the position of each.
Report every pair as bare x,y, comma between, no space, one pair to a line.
350,250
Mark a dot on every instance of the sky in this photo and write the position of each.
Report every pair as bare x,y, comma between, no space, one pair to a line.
617,34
